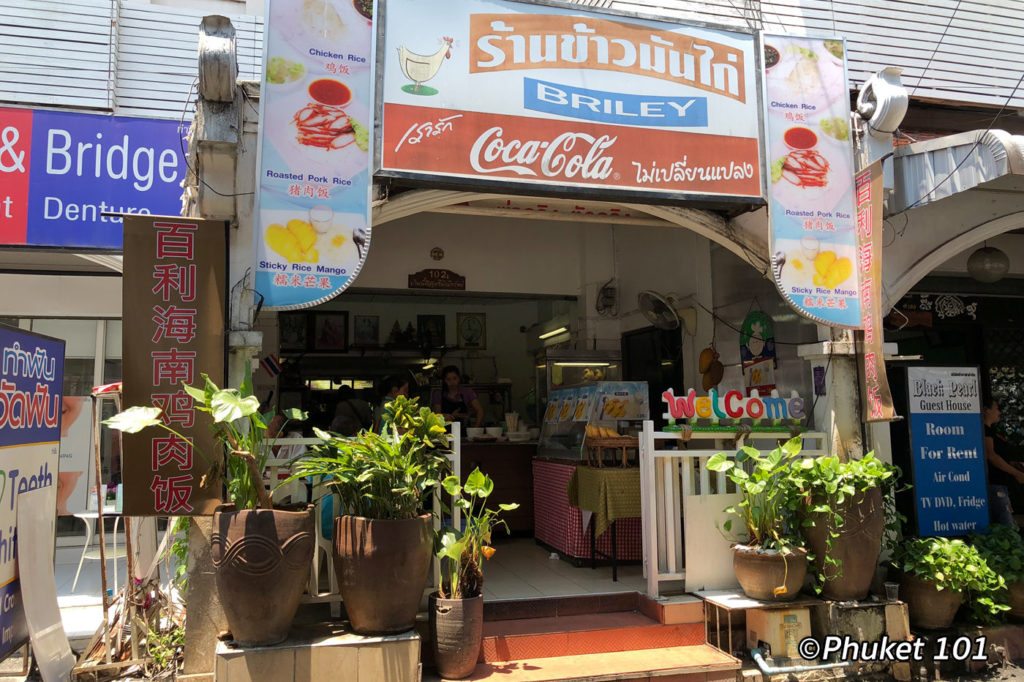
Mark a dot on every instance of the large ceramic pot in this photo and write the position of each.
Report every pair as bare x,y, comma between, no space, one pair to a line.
856,549
262,557
929,607
1016,591
382,569
458,627
760,573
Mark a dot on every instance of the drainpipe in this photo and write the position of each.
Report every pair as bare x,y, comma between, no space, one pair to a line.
768,670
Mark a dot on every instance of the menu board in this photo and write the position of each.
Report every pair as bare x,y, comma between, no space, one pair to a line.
810,185
316,123
947,448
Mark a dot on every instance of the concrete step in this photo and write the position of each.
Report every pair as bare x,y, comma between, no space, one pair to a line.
698,663
531,638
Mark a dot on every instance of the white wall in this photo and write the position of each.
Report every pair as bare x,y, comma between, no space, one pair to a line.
60,296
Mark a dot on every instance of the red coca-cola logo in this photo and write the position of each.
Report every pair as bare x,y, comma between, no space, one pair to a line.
569,155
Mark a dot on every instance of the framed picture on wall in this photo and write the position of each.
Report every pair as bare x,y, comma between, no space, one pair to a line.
472,330
366,330
430,330
330,332
294,331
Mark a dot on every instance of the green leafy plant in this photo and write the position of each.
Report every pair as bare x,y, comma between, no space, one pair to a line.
382,476
462,552
825,484
236,425
768,508
1003,550
954,565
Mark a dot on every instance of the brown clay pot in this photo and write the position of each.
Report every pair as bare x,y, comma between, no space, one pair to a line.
1016,600
760,572
458,627
856,549
262,557
929,607
382,569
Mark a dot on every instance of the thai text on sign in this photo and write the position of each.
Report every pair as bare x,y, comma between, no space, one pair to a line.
174,302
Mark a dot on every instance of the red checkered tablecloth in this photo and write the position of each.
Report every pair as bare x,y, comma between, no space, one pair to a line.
560,525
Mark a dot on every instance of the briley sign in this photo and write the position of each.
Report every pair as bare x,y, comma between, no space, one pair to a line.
553,98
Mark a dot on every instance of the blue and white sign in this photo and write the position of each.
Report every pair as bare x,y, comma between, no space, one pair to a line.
948,451
31,405
60,172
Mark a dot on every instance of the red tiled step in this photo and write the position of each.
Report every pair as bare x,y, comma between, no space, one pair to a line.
700,663
594,633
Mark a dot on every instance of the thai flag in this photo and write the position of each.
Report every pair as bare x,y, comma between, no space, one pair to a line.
271,364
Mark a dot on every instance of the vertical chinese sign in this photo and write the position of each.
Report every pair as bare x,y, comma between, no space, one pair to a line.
174,312
31,393
813,240
876,399
316,125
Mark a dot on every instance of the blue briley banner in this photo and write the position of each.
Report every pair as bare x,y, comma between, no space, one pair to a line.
947,450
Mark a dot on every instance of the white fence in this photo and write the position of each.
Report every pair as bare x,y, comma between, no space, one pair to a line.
683,504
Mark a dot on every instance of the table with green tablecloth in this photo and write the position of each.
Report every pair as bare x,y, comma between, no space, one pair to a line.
611,493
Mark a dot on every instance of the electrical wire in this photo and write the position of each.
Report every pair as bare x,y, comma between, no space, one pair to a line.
184,151
935,50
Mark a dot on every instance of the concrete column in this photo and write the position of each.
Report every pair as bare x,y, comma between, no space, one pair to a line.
837,412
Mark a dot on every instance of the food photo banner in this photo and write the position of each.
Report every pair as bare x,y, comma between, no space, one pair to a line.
813,237
947,450
553,99
61,171
316,123
32,380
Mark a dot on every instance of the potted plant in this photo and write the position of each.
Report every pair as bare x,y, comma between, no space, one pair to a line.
383,540
1003,550
771,563
847,510
939,574
457,608
262,554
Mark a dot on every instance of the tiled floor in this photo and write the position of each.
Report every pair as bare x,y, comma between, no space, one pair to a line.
522,569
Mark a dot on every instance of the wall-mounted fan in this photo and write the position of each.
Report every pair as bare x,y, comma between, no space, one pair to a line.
664,311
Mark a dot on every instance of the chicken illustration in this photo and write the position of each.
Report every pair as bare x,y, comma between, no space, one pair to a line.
420,68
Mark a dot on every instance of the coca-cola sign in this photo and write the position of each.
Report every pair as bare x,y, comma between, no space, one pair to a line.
559,99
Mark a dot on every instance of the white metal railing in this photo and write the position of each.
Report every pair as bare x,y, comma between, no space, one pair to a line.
682,504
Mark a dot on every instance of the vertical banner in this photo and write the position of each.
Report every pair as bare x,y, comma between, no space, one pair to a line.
316,123
876,399
175,272
947,450
813,241
31,386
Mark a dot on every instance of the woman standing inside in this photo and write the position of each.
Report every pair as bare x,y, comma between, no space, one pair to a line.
455,402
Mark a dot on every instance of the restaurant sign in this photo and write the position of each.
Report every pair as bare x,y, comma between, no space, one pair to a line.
813,240
555,99
174,293
733,406
436,278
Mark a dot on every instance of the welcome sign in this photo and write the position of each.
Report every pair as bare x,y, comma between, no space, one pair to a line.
546,97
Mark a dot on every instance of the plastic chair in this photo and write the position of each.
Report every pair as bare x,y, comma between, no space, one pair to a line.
326,504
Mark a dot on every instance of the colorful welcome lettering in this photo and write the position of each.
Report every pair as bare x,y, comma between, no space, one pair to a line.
733,405
503,42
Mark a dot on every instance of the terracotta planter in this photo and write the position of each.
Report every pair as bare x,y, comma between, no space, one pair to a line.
929,608
458,627
856,549
382,570
262,558
1016,601
760,573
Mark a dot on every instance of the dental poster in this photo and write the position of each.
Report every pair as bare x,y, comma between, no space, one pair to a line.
316,124
810,186
32,378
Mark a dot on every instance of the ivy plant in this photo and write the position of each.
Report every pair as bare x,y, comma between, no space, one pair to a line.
957,566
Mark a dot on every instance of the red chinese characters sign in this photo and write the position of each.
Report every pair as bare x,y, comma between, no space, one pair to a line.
876,399
174,310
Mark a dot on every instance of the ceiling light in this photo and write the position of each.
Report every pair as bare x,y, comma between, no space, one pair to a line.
581,364
988,264
553,332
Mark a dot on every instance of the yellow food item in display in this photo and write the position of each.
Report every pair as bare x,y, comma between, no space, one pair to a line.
338,241
798,264
295,242
830,271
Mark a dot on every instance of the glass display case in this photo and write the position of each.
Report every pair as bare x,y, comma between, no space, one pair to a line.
560,368
616,405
